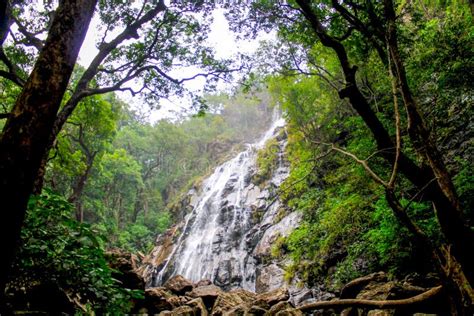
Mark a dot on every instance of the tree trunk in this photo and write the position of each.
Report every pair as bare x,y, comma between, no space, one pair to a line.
26,132
138,205
432,180
441,192
446,202
78,188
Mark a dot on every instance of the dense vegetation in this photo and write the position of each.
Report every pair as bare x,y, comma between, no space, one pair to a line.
350,226
121,172
111,182
378,99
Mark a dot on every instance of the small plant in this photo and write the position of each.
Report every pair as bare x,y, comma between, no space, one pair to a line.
61,253
267,159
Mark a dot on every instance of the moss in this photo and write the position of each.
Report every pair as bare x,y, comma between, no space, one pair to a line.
279,247
267,159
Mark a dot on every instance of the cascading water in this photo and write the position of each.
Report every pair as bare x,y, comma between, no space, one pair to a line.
221,238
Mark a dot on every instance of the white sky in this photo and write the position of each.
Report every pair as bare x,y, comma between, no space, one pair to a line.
220,38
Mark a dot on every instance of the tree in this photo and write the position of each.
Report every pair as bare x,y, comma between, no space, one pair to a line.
352,31
150,40
27,130
80,146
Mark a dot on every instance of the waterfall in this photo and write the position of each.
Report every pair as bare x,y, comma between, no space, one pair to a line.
222,236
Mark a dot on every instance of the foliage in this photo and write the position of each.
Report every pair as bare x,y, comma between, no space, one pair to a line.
60,251
131,170
349,228
267,158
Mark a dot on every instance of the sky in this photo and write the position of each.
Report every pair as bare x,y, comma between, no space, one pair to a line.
220,38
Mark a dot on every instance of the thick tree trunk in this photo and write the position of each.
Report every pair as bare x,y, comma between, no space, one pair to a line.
25,135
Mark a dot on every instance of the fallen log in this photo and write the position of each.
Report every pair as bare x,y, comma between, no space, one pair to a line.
369,304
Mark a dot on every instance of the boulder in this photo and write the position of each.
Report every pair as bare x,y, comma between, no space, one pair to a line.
283,309
275,296
198,306
208,294
269,277
157,299
126,264
261,304
179,285
240,310
227,302
256,311
377,291
301,296
203,283
184,311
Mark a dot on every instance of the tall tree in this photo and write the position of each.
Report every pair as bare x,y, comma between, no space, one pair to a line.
27,130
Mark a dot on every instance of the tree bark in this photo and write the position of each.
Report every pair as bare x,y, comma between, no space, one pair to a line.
25,135
79,186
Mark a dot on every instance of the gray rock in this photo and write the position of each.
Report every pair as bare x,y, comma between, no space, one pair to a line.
301,296
269,278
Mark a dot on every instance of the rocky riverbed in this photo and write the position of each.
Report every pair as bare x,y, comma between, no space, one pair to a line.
180,296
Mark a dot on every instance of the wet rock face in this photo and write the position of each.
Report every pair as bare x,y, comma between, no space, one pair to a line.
269,277
231,229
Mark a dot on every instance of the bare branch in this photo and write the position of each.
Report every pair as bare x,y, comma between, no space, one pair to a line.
31,39
11,77
402,216
104,50
369,304
363,163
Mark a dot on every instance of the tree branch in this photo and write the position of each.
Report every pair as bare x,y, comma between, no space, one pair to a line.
398,141
32,40
363,163
11,74
104,50
361,303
